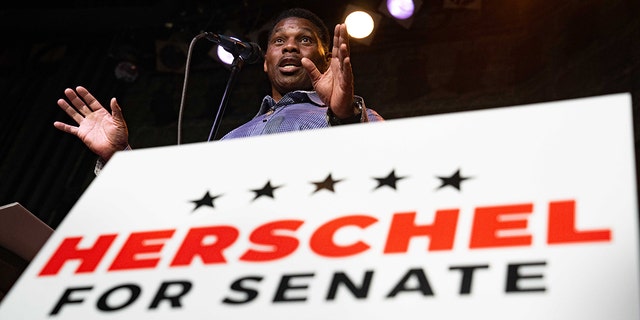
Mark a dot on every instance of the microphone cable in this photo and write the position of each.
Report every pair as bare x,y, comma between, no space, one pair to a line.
184,84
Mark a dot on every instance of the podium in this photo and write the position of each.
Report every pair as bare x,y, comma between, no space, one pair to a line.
525,212
21,236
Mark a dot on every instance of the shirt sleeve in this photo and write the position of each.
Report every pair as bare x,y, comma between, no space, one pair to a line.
100,163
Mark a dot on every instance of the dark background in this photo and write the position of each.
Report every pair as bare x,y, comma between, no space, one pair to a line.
448,60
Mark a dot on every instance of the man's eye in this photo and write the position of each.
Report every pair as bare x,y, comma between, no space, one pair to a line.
306,39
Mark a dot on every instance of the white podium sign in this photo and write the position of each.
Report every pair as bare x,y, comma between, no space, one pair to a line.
527,212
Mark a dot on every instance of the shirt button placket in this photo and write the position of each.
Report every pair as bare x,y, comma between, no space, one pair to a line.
267,114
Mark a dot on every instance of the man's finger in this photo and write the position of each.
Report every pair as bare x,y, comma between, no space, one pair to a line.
73,113
336,42
347,72
312,70
116,110
66,128
91,101
77,102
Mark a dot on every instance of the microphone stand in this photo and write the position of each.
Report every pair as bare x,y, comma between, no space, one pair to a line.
235,68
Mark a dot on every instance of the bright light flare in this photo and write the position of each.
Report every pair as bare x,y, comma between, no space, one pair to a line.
225,56
359,24
401,9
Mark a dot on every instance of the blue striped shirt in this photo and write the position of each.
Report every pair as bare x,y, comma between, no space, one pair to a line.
297,110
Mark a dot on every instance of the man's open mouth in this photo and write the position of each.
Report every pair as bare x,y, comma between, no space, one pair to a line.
289,65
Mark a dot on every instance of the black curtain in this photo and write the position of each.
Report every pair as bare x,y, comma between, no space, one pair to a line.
41,167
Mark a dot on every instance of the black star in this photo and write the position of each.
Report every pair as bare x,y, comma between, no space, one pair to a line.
207,200
326,184
453,181
267,190
389,181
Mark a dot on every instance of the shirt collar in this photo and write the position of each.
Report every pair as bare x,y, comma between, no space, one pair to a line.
298,96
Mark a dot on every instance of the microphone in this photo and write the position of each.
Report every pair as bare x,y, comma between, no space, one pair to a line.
249,52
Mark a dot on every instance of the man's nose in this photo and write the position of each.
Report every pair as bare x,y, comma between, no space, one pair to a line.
290,46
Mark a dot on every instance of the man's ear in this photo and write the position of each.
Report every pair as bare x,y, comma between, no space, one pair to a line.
264,65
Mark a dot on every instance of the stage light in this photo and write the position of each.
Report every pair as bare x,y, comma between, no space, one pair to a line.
401,11
128,58
224,56
361,23
126,71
